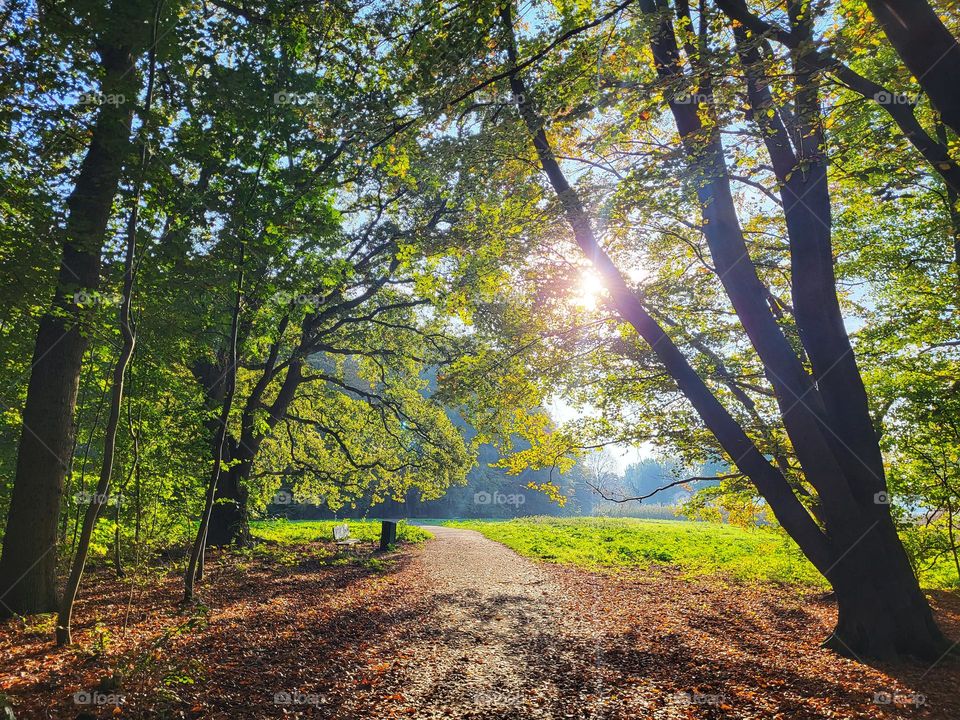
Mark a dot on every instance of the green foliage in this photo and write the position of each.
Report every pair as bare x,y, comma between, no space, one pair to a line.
894,238
262,139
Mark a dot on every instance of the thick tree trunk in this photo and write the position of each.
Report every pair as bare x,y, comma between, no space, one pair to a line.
800,168
882,613
828,422
28,563
771,484
229,521
928,50
801,405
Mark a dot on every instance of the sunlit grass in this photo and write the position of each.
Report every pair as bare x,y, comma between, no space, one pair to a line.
298,532
747,555
697,548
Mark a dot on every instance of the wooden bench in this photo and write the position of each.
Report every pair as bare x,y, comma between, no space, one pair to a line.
341,536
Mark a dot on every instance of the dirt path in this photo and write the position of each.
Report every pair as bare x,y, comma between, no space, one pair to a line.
496,614
485,634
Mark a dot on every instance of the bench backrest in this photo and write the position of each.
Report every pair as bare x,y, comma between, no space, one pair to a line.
341,532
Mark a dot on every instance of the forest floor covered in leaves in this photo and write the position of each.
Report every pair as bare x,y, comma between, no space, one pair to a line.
460,627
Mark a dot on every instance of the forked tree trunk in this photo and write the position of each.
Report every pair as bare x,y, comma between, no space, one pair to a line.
874,581
29,561
229,518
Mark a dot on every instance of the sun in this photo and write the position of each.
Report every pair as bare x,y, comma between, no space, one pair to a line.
589,290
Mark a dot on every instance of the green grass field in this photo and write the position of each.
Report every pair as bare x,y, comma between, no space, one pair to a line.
298,532
697,548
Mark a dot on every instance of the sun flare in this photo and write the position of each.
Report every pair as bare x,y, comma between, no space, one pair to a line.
589,290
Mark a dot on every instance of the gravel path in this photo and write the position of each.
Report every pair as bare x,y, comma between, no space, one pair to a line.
495,614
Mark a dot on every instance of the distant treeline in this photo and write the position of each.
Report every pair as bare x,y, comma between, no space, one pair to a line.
491,493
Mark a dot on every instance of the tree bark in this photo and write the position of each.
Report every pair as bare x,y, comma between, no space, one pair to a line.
835,441
229,521
29,560
882,614
928,50
801,169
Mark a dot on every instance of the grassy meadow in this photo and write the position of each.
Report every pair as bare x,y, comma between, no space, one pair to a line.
697,548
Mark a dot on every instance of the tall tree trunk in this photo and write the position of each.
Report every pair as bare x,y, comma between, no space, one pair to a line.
838,450
800,166
220,444
128,333
768,480
29,560
882,613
